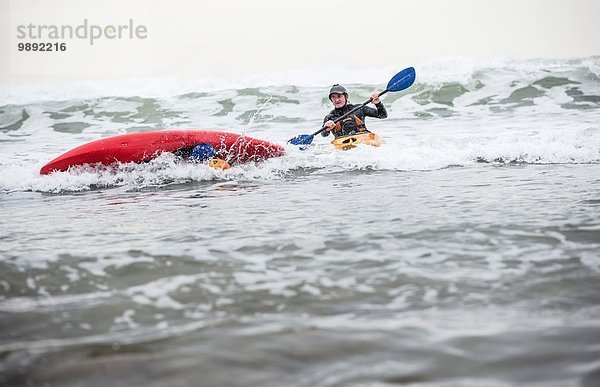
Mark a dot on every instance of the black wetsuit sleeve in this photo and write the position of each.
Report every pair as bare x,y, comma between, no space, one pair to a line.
328,117
380,112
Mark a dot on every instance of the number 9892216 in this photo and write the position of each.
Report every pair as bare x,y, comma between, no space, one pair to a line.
42,46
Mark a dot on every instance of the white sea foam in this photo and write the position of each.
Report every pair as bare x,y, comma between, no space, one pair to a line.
157,293
399,153
461,70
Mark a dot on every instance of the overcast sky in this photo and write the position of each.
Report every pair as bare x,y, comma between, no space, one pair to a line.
237,38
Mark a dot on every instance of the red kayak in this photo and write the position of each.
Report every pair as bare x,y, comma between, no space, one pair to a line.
141,147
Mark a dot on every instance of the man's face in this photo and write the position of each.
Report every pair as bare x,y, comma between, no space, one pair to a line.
338,100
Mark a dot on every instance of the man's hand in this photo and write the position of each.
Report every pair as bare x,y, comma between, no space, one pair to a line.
329,125
375,98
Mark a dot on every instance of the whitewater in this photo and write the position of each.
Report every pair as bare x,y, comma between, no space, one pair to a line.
463,251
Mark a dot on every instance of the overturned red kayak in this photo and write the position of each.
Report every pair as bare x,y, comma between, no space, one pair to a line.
144,146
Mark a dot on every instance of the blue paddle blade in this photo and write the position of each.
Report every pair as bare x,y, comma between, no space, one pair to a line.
403,80
302,139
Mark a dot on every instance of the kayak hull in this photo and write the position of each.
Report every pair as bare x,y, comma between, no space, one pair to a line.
145,146
349,142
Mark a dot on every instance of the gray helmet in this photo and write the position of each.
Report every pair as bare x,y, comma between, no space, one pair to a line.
338,89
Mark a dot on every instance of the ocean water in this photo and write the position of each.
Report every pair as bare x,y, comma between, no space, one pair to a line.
465,251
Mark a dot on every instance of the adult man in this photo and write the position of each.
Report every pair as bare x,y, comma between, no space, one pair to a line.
355,122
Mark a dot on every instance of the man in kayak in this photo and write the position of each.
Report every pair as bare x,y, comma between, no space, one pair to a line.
355,122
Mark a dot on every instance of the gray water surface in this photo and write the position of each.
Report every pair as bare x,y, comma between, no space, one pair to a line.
474,276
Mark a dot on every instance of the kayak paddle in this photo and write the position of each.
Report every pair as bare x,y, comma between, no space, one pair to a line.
403,80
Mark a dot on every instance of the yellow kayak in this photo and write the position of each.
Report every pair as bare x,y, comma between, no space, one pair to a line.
349,142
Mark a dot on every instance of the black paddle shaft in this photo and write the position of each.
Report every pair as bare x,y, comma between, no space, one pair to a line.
350,112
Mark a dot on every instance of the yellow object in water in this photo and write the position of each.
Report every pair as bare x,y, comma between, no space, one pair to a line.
218,164
349,142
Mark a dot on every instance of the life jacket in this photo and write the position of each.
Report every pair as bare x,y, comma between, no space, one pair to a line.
349,125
